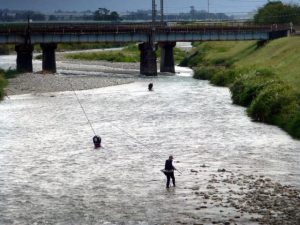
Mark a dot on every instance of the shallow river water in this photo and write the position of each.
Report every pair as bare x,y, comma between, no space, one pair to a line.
50,173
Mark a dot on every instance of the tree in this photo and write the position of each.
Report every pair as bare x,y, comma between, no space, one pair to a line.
104,14
114,16
277,13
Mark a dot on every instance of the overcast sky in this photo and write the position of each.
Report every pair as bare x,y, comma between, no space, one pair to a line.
226,6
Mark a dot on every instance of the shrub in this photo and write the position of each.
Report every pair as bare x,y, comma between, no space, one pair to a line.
193,60
4,50
204,73
8,74
3,83
247,87
225,77
222,62
274,101
293,126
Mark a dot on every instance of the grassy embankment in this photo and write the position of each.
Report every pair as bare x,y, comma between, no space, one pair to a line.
4,76
264,79
130,53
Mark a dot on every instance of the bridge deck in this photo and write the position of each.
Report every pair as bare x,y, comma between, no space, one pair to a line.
71,32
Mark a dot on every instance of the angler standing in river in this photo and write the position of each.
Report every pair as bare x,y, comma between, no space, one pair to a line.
169,171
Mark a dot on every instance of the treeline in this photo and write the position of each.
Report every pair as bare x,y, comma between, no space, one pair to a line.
192,15
278,13
9,16
103,14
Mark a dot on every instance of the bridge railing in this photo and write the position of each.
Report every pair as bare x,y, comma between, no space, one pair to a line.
82,28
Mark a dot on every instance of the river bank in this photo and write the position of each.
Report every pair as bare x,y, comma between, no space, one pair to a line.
84,69
263,78
71,75
99,74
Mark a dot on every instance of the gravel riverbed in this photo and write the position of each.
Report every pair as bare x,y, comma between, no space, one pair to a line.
75,75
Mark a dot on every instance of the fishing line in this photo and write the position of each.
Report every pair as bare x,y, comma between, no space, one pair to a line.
89,122
140,143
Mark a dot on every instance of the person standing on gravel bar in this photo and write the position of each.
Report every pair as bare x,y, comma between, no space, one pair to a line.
169,171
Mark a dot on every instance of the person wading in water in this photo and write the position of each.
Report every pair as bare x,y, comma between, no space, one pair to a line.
169,171
150,87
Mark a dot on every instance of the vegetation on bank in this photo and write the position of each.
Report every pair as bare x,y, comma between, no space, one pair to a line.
130,53
84,46
265,79
10,49
4,76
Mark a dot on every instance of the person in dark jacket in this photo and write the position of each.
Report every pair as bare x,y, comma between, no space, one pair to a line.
97,141
150,87
169,171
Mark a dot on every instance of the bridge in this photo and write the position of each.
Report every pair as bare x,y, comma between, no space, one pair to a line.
149,35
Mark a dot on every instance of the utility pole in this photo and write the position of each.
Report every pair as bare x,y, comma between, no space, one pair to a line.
192,12
153,11
162,11
208,8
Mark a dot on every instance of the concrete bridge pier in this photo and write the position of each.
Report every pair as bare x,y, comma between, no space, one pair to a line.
148,60
24,57
49,62
167,57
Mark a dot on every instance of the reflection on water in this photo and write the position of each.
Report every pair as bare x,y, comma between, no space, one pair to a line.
49,172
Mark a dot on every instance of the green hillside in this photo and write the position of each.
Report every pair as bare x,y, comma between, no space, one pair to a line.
265,77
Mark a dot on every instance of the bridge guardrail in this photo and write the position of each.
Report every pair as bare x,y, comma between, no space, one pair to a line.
63,28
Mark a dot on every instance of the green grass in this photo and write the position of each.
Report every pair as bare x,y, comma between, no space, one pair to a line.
3,84
10,49
130,53
4,76
265,79
83,46
282,56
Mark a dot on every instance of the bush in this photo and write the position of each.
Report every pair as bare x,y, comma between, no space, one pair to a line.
193,60
274,104
223,62
8,74
293,126
4,75
248,86
3,83
225,77
204,73
4,50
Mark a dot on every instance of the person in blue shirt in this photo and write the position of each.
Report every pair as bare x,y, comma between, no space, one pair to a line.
169,171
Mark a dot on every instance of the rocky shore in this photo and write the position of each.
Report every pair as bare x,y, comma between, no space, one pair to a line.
74,75
238,197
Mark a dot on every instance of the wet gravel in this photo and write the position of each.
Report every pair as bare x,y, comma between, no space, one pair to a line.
74,75
41,83
256,197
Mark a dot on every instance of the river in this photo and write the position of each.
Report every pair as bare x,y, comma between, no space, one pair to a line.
50,173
